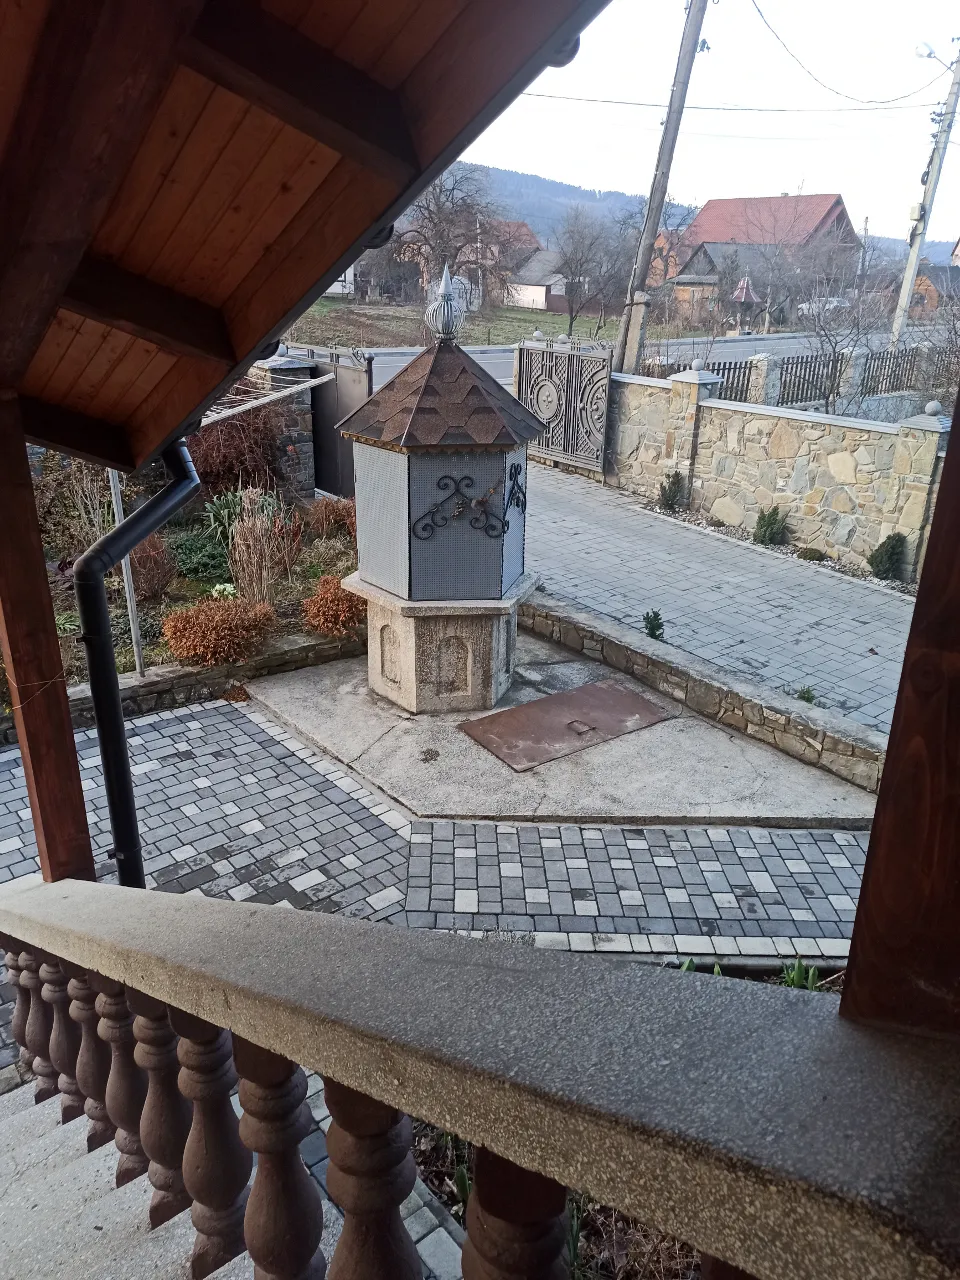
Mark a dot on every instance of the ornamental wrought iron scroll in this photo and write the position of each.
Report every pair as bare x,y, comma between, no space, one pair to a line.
567,388
458,501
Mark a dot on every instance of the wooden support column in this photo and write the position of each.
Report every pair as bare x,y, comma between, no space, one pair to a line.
904,969
31,656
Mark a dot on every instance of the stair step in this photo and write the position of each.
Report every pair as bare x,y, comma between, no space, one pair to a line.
38,1206
17,1100
35,1139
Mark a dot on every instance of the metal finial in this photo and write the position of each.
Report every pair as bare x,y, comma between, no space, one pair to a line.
445,315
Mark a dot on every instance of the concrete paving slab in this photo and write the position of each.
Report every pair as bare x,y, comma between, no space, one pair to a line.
684,770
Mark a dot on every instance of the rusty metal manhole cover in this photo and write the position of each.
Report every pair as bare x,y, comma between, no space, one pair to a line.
564,723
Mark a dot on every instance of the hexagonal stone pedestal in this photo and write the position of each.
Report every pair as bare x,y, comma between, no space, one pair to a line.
441,655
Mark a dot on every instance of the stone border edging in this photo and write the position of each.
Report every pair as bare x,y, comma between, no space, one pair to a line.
171,685
822,738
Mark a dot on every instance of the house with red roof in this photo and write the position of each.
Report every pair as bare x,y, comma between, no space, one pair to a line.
769,238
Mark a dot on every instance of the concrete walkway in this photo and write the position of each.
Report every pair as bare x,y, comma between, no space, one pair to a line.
780,621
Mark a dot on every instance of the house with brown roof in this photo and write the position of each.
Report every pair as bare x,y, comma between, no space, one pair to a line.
767,237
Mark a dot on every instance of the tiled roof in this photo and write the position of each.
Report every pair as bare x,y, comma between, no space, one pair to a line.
542,268
442,399
760,220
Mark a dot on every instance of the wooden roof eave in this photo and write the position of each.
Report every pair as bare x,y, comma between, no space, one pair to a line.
271,66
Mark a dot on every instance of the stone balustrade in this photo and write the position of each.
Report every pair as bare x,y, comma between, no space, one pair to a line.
745,1118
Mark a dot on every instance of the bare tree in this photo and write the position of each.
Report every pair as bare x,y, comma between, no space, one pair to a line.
594,260
455,223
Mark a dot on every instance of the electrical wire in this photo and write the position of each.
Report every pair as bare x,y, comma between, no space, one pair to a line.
829,89
662,106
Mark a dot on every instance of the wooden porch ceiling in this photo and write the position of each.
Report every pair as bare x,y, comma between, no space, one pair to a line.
179,179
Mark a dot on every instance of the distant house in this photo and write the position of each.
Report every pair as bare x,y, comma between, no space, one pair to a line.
538,284
955,256
768,238
344,286
932,285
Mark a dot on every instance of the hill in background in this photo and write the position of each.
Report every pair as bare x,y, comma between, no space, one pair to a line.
542,202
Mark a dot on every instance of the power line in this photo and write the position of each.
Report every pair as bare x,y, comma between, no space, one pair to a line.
662,106
829,89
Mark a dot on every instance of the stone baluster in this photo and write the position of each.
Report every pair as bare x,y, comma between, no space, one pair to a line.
516,1223
165,1122
126,1085
216,1164
371,1173
21,1010
284,1216
64,1039
39,1026
93,1060
714,1269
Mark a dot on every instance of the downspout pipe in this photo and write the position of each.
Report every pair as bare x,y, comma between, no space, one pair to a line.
88,579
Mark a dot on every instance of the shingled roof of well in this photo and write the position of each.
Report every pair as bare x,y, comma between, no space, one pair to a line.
442,399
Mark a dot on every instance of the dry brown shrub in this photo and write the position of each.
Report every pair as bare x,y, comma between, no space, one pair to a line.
333,518
238,450
265,544
217,631
153,568
333,611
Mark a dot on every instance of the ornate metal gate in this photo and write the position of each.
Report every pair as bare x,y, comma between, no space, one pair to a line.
567,384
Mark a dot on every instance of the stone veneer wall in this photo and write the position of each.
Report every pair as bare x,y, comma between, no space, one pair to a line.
844,483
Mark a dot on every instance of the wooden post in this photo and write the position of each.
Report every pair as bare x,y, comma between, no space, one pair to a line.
904,969
31,656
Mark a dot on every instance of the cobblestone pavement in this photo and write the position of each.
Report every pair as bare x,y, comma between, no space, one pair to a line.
780,621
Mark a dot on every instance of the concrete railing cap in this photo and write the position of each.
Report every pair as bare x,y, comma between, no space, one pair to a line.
746,1118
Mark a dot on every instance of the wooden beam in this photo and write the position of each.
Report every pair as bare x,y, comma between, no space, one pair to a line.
31,656
904,969
100,69
75,433
248,51
100,290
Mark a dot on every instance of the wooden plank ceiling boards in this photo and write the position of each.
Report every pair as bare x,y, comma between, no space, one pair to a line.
179,179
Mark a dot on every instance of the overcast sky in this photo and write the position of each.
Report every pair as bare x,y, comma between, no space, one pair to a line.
866,48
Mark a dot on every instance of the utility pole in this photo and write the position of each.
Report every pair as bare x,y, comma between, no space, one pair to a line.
633,322
921,215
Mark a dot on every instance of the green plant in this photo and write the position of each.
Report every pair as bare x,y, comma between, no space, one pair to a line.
68,622
805,694
771,529
689,965
671,492
221,514
217,631
800,975
717,971
653,624
811,553
198,555
224,591
886,560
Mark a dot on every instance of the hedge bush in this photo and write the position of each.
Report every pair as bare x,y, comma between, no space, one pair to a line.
214,632
771,529
333,611
886,561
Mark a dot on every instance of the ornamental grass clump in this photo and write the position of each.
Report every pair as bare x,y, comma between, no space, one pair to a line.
333,611
216,632
153,567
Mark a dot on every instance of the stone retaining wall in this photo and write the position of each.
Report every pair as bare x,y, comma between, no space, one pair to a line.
817,737
845,483
161,688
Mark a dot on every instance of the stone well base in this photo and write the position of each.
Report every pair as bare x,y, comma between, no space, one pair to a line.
440,655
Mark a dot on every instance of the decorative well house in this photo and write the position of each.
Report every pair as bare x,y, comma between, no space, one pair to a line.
440,462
